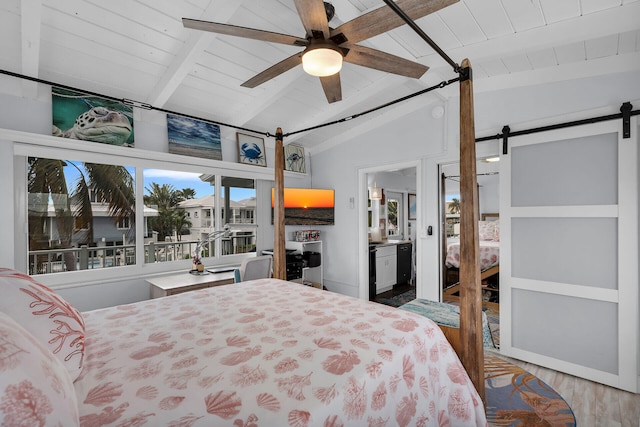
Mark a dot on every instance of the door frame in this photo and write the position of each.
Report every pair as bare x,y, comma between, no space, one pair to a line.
363,240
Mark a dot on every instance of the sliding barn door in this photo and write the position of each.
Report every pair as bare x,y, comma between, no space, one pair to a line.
569,252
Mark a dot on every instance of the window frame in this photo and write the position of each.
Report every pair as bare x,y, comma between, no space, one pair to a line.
31,145
121,223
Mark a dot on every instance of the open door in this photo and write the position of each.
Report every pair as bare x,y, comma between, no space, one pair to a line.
569,252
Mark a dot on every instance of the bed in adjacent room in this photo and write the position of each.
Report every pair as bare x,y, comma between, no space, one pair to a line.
489,260
260,353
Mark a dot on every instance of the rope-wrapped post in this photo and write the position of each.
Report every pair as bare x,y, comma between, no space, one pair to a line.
472,356
279,254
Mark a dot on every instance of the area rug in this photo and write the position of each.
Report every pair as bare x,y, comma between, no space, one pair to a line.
446,315
493,316
516,398
398,300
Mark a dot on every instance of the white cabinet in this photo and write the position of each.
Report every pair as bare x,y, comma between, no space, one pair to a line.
386,268
312,253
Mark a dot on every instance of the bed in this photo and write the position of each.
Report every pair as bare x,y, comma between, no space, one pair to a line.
489,254
260,353
489,261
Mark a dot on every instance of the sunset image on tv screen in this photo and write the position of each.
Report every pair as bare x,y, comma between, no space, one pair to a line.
307,206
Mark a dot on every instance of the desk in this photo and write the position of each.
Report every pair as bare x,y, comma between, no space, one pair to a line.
171,284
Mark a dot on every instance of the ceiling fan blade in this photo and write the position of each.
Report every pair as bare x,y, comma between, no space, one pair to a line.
313,17
274,71
384,19
332,87
249,33
378,60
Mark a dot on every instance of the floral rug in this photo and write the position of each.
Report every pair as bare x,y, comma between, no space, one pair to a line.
516,398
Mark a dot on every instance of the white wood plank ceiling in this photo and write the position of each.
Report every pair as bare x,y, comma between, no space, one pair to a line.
139,49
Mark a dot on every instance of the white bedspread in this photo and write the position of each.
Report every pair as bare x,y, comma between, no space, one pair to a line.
270,353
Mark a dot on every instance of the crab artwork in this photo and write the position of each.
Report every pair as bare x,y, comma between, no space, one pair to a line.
251,152
99,124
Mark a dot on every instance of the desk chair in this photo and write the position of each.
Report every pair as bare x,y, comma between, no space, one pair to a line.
258,267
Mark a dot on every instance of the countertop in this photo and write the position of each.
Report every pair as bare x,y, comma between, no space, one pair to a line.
389,243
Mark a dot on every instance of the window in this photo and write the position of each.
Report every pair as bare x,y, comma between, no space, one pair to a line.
124,223
186,215
452,212
175,229
82,215
73,214
392,217
239,198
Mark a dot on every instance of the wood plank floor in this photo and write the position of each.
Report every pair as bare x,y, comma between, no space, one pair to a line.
593,404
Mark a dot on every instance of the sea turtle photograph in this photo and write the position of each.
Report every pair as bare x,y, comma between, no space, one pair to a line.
87,117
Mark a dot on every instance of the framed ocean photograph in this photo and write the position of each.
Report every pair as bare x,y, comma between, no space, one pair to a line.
88,117
191,137
251,150
294,158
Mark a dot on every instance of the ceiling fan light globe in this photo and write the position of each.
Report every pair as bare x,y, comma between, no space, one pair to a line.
322,62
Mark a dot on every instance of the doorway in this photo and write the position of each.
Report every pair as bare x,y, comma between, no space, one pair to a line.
387,234
489,205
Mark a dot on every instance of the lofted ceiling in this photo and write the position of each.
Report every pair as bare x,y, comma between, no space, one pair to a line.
140,50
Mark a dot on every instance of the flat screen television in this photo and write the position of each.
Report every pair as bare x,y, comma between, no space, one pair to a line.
307,206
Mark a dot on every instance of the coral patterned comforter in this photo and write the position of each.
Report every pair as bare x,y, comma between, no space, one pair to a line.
270,353
489,254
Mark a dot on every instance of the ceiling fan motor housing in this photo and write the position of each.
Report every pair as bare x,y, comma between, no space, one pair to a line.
330,10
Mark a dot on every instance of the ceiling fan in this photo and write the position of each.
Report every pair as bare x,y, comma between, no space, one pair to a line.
331,46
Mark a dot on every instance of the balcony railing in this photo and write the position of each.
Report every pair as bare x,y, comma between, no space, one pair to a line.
90,258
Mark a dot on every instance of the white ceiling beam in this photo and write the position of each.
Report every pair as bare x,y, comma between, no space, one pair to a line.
30,21
196,43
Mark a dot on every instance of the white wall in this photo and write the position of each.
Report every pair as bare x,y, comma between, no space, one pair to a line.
410,137
417,135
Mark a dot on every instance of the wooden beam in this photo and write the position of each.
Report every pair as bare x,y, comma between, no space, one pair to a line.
472,356
279,254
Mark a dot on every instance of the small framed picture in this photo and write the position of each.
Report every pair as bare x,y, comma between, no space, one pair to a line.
412,206
251,150
294,158
192,137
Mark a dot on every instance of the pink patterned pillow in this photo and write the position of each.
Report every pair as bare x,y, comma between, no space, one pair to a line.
496,233
57,324
35,388
486,229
